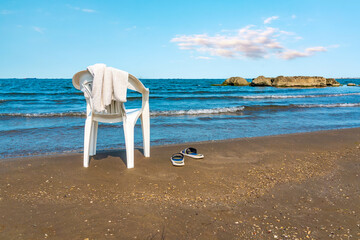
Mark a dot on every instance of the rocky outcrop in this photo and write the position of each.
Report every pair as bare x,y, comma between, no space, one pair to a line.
299,81
235,81
281,81
331,82
351,84
261,81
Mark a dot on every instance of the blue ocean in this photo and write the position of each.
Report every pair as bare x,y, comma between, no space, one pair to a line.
47,116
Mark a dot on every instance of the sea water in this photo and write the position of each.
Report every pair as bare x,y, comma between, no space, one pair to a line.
47,116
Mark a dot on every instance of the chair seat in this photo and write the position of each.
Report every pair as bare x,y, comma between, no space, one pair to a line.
131,114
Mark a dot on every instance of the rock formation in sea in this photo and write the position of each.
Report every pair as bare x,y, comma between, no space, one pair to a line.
261,81
351,84
299,81
331,82
235,81
281,81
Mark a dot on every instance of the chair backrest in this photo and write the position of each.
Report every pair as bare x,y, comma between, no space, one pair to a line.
83,81
82,76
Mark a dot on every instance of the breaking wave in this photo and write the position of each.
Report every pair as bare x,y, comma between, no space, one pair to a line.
330,105
152,113
198,111
299,96
213,111
65,114
294,106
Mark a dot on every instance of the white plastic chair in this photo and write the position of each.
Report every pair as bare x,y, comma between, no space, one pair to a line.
116,112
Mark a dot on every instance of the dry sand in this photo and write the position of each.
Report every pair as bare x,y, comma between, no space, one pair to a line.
298,186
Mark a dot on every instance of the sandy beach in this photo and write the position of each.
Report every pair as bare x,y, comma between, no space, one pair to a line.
297,186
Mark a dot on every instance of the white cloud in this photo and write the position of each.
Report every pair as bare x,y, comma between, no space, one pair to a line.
87,10
292,54
38,29
247,42
270,19
293,16
251,43
203,57
287,33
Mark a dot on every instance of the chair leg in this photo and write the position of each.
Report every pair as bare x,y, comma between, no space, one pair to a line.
145,125
95,136
91,139
94,130
129,143
87,136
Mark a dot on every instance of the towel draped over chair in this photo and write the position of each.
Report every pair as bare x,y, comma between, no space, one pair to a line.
108,84
105,90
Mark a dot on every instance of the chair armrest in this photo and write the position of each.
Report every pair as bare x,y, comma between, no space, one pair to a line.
136,85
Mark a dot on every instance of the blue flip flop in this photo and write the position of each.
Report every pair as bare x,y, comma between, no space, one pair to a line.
177,159
191,152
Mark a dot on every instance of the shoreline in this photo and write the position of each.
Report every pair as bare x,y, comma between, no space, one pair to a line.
104,151
301,185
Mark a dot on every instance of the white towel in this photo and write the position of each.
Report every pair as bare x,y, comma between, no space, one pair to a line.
107,87
120,81
97,71
108,84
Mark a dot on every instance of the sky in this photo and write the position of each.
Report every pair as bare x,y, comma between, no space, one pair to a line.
181,39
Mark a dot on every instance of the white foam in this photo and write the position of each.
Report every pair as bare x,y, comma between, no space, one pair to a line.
299,96
330,105
211,111
65,114
198,111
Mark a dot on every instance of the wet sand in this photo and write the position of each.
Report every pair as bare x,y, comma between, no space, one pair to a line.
298,186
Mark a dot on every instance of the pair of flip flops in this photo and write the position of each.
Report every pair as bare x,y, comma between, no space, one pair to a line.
178,158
